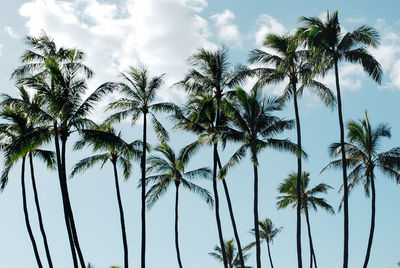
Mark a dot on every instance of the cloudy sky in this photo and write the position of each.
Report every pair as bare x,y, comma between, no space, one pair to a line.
162,34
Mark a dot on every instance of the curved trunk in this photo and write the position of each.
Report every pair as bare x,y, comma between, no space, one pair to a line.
62,189
235,232
216,202
39,213
312,252
372,228
70,213
26,215
143,194
256,228
269,255
298,187
178,254
344,169
121,216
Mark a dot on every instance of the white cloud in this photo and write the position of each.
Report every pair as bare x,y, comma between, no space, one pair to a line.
356,20
388,54
350,75
11,32
196,5
267,24
228,32
159,34
1,49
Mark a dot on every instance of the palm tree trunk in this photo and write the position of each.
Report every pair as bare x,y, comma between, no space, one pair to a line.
62,189
256,228
298,187
39,213
372,228
344,169
143,194
269,255
216,203
121,216
26,215
312,252
178,254
235,232
69,208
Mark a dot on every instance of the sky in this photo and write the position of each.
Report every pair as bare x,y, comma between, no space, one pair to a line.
162,34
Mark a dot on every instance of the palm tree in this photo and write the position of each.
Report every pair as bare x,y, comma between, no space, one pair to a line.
170,169
325,39
20,138
256,127
362,157
140,95
198,116
231,253
268,231
61,84
309,200
211,75
114,149
292,63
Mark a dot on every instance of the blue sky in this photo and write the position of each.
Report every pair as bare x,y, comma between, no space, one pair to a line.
163,34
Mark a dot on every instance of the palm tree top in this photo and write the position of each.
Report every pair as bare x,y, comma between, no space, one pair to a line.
268,231
309,196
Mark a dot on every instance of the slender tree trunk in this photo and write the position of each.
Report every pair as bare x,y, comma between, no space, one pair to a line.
62,189
235,232
298,187
344,169
26,215
69,208
256,228
372,228
312,252
121,216
269,255
178,254
216,203
143,194
39,213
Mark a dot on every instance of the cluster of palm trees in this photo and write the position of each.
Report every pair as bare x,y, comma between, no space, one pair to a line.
218,111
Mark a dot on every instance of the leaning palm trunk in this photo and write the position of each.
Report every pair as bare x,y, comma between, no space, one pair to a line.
26,215
69,208
143,167
256,227
312,252
121,215
235,232
372,228
216,200
62,189
39,213
178,254
298,187
344,167
269,255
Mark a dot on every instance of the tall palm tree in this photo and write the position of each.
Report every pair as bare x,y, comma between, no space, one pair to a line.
231,253
213,75
362,157
255,128
61,84
330,46
20,138
169,168
309,199
268,231
113,148
140,92
291,63
198,116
